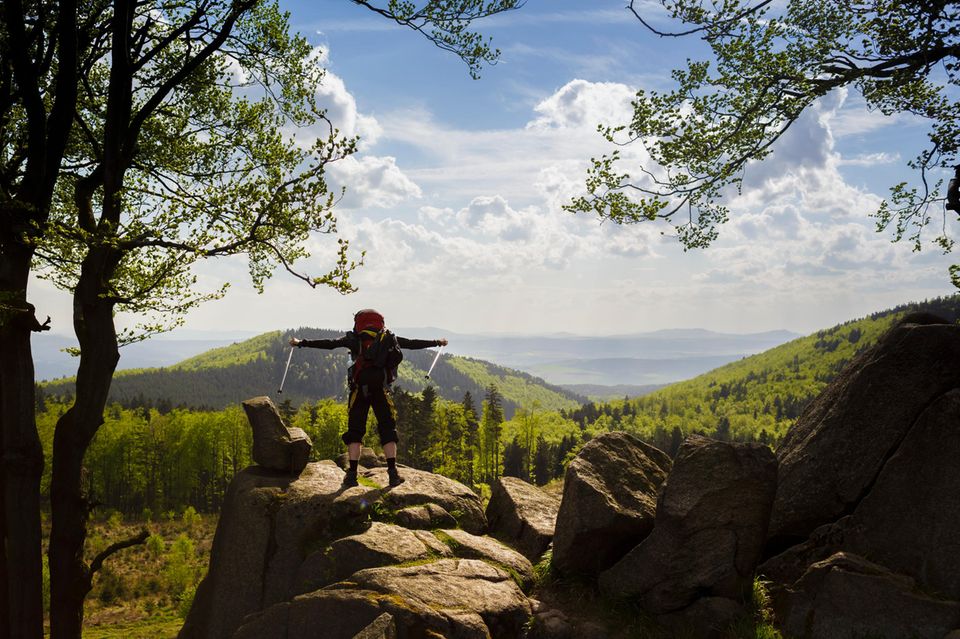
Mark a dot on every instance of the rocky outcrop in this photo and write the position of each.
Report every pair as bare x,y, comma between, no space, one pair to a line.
906,524
710,527
609,502
522,515
455,586
848,596
267,526
832,456
864,540
289,550
274,445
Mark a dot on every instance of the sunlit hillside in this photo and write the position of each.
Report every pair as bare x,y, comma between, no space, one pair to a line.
761,396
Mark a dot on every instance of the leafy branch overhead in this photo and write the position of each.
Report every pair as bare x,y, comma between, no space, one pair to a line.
771,62
446,24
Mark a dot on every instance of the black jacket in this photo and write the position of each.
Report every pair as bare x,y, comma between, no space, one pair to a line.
352,341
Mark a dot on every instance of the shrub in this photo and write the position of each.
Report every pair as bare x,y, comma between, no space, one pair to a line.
178,575
155,545
183,548
190,518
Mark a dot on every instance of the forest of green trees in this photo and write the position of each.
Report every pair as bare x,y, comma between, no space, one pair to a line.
150,460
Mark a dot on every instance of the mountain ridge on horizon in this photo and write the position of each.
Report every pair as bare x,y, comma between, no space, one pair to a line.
227,375
533,354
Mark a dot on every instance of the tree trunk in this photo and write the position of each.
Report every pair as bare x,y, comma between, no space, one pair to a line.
70,576
21,456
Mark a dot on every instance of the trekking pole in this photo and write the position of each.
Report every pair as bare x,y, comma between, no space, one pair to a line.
440,350
289,357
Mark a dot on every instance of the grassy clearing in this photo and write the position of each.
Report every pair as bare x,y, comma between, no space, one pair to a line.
158,626
146,591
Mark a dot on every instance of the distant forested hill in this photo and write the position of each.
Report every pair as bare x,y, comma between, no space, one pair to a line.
227,375
757,397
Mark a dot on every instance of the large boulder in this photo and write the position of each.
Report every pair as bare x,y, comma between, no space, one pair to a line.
420,487
833,454
710,528
608,504
347,611
451,598
274,445
848,596
522,515
908,520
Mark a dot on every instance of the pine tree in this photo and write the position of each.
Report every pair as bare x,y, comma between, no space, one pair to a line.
421,425
541,462
471,435
513,456
492,426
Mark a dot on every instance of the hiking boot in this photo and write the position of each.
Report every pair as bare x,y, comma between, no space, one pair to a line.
395,478
350,479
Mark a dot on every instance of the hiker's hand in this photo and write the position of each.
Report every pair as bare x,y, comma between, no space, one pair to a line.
294,341
441,342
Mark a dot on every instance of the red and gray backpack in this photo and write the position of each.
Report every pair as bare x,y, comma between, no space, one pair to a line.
378,346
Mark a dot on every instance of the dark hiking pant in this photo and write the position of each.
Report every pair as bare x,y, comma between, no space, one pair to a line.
371,391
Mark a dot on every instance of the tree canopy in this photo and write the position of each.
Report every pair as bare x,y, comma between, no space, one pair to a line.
771,62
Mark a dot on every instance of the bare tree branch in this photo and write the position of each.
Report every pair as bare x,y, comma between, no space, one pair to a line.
97,562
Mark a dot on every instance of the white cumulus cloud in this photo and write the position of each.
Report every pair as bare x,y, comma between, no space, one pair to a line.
372,181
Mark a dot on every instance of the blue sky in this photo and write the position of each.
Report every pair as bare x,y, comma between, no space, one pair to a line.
457,191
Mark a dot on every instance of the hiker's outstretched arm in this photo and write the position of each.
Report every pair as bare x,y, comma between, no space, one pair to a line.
414,344
340,342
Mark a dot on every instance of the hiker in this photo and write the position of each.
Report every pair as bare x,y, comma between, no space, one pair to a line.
376,355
